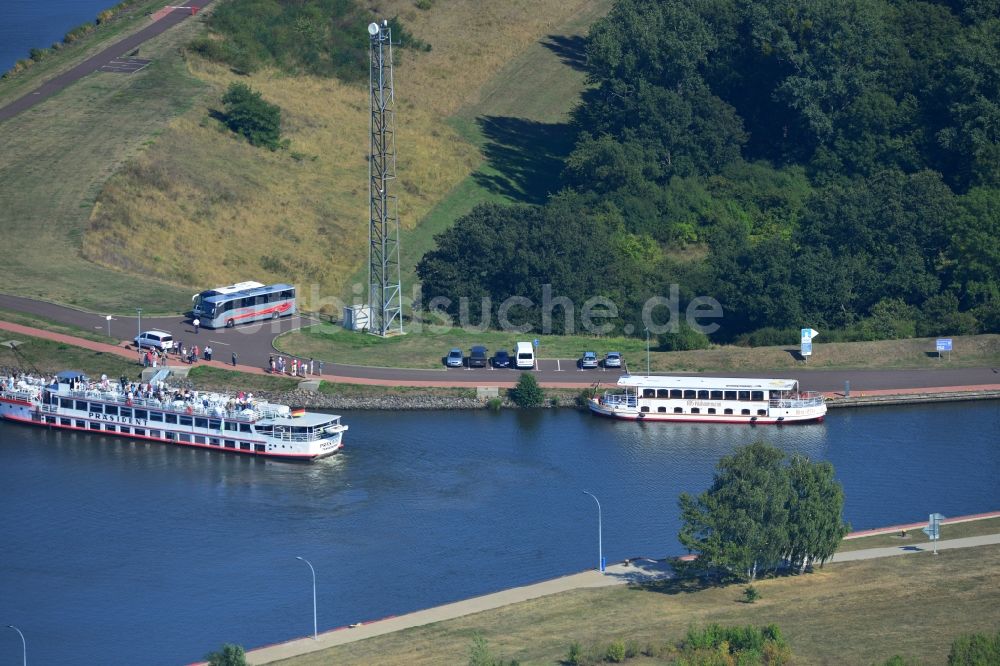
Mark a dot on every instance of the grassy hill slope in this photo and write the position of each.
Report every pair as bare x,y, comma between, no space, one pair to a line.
217,210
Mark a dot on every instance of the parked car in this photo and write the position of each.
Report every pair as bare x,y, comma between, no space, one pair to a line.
588,360
477,357
154,340
613,360
455,359
501,359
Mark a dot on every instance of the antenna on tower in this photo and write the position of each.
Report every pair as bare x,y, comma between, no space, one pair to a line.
384,285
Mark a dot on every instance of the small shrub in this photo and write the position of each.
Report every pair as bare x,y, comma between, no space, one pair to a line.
247,113
229,655
527,393
684,338
616,652
494,404
583,397
574,654
975,649
424,4
750,594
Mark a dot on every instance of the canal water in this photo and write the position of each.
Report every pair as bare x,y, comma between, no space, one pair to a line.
122,553
28,24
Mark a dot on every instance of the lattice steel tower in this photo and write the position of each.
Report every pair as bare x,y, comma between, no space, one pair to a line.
384,288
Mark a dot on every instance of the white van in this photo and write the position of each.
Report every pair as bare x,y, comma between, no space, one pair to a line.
524,355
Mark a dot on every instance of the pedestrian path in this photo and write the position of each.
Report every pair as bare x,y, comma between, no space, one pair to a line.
635,571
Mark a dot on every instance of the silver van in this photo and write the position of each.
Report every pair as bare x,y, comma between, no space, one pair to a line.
154,340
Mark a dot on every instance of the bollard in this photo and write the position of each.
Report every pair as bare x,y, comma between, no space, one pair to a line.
847,388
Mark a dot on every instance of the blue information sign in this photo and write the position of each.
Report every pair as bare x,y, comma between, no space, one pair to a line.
943,344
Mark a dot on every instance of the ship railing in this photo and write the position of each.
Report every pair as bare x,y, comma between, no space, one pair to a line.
197,408
802,400
619,400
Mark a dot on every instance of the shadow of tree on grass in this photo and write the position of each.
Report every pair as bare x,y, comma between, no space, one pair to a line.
524,157
571,49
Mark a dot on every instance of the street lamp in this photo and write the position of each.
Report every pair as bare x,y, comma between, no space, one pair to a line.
315,631
647,351
600,541
24,645
138,314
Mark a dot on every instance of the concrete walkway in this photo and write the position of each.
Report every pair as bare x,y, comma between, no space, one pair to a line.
638,570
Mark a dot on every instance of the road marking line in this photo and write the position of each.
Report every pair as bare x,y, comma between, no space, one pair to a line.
217,342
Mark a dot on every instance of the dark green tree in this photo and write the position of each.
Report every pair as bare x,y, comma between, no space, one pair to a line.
527,392
229,655
815,509
975,650
247,113
740,524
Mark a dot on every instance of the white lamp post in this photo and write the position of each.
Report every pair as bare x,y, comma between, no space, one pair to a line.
315,631
24,645
600,541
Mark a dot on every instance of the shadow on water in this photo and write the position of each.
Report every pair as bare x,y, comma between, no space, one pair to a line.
525,157
571,49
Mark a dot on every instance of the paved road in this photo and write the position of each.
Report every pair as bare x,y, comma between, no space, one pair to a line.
94,63
617,574
254,342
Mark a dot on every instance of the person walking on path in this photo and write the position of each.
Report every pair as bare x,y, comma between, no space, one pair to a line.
197,323
208,352
234,359
270,363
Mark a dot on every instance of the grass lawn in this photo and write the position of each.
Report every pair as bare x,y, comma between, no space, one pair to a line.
48,357
425,349
956,531
55,159
36,321
851,613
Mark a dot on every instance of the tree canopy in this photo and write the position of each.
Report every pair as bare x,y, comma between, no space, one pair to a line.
762,512
804,162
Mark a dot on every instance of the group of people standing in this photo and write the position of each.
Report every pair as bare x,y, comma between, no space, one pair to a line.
297,368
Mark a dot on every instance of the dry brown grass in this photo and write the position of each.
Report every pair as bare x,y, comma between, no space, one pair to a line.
852,613
200,207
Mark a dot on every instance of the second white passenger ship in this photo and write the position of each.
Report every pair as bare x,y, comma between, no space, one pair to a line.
709,399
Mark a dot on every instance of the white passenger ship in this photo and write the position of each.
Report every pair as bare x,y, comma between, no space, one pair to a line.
155,412
709,399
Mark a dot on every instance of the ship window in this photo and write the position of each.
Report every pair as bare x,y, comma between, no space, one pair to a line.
185,420
96,408
95,426
126,412
81,424
231,425
730,395
744,395
661,409
644,409
171,436
259,448
678,410
745,412
141,414
110,428
111,409
155,433
757,395
156,416
703,395
245,427
711,410
662,393
81,405
648,393
139,431
199,439
245,446
230,444
201,423
184,437
716,395
695,410
214,441
676,393
215,424
728,411
761,412
66,422
690,394
66,403
171,418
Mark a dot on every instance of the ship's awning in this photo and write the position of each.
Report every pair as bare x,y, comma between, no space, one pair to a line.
307,420
66,376
718,383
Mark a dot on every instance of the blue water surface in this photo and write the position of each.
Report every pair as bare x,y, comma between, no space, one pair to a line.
123,553
28,24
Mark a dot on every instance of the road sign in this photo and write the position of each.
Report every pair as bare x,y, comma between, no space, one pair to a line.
943,344
807,334
933,529
536,343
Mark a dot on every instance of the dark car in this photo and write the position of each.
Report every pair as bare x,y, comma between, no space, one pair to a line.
477,357
501,359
